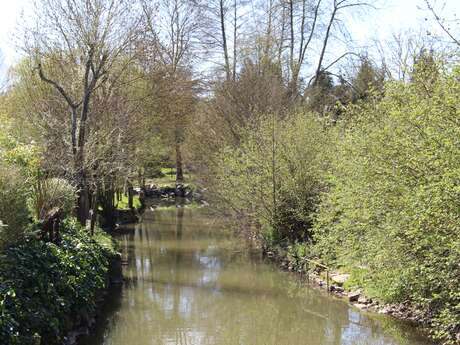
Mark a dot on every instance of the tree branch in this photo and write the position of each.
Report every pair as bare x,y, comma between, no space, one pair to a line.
56,86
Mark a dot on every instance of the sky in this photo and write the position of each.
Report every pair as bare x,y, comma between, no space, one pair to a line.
392,16
399,16
10,15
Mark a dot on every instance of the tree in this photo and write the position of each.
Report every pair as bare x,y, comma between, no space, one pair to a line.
308,21
337,8
77,46
220,32
174,42
443,23
367,80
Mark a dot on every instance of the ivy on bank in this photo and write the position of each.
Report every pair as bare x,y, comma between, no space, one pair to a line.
46,289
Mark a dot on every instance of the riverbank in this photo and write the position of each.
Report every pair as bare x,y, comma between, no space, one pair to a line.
188,279
50,290
342,286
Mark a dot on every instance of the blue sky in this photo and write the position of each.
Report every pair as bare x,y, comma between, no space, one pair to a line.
393,16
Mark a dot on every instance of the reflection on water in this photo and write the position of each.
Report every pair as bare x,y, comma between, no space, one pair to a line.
189,283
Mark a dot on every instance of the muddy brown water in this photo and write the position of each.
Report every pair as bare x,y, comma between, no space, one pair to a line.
190,282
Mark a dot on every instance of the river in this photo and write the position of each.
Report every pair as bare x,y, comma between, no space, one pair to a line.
188,281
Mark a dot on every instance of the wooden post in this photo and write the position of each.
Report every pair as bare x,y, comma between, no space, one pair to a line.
322,266
130,195
92,223
51,225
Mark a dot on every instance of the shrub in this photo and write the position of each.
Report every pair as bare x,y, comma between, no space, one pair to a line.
48,289
50,193
274,176
13,207
394,205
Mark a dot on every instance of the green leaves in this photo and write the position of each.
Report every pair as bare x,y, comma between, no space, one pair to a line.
41,284
394,203
275,175
377,195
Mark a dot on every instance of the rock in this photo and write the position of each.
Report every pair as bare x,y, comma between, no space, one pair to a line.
337,289
364,300
354,296
124,229
361,306
385,310
340,279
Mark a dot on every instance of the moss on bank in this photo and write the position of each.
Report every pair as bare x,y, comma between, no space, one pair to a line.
46,290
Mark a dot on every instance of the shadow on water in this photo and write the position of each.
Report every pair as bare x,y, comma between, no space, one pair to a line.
111,306
188,281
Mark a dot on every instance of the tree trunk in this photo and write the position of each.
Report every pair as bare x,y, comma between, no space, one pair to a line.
130,195
235,33
224,40
107,199
141,178
323,49
83,193
83,204
179,170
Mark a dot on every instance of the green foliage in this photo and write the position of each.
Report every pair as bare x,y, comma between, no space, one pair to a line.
13,207
25,157
376,196
148,160
274,175
46,289
50,193
393,207
369,80
123,203
18,169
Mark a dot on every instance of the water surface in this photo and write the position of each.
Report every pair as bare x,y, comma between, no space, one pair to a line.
189,282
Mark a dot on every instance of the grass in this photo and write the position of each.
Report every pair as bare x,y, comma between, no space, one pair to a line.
105,241
168,171
123,203
168,179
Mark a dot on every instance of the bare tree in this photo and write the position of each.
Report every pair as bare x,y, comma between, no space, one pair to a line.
443,23
175,35
337,8
306,18
398,53
76,46
220,31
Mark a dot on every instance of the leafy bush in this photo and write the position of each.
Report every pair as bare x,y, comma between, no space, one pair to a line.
47,289
274,176
50,193
18,166
13,207
394,205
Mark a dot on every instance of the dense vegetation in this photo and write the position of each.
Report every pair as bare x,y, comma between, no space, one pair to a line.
318,149
375,194
393,204
49,289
